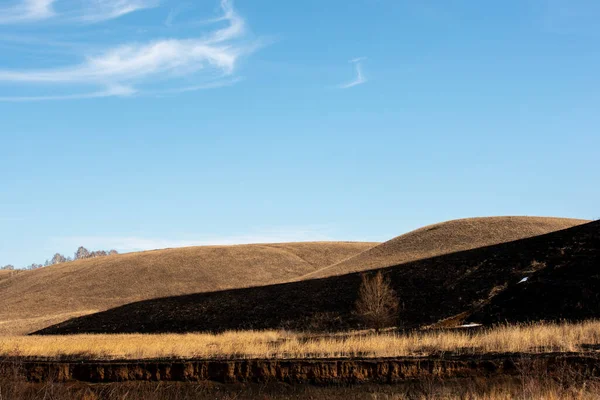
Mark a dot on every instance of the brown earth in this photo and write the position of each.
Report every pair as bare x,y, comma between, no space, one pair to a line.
33,299
316,371
446,237
430,290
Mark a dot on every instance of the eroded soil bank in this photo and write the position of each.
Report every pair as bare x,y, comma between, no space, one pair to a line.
316,371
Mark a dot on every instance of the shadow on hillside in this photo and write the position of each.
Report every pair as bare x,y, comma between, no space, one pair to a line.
563,271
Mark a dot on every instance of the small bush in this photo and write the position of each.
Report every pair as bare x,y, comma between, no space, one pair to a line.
377,305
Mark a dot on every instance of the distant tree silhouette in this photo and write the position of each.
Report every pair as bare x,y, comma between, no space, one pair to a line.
99,253
58,259
82,253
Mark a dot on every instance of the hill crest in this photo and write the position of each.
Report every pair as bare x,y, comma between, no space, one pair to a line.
445,238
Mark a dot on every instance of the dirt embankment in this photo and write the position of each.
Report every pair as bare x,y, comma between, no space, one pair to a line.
324,371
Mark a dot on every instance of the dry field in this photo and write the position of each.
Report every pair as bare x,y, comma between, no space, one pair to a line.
5,274
444,238
532,338
31,300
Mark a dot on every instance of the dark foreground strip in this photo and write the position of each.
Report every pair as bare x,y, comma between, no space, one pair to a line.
316,371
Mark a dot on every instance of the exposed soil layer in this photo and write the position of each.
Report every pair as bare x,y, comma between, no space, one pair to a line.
316,371
566,264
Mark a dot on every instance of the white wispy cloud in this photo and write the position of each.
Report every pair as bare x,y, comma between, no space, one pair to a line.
101,10
26,11
108,92
23,11
360,78
133,67
175,12
137,243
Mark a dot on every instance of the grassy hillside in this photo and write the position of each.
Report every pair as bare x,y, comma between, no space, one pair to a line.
38,298
431,290
4,274
444,238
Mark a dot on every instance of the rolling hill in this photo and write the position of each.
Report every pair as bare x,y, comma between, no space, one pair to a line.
455,286
444,238
33,299
5,273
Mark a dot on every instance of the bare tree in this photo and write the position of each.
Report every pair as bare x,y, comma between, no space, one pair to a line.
58,259
99,253
377,304
34,266
82,253
112,252
8,267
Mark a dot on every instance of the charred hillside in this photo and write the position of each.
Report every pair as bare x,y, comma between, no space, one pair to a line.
482,281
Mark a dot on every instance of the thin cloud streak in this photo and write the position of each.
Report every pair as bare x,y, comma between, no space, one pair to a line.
121,91
360,78
195,88
137,243
111,9
175,12
27,11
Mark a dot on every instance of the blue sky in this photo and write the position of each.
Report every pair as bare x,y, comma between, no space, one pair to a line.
139,124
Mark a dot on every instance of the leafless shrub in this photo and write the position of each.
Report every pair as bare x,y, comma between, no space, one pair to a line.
377,305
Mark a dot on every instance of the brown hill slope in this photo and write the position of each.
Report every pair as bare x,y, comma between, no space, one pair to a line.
5,273
431,290
444,238
38,298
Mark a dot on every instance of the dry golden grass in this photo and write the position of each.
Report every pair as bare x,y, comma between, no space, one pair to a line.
31,300
5,274
446,237
28,324
533,338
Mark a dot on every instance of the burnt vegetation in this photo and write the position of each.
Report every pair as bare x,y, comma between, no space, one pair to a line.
479,285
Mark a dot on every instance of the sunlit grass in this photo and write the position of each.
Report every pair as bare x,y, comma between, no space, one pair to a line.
563,337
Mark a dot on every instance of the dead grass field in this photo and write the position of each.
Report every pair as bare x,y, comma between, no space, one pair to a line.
31,300
531,338
446,237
